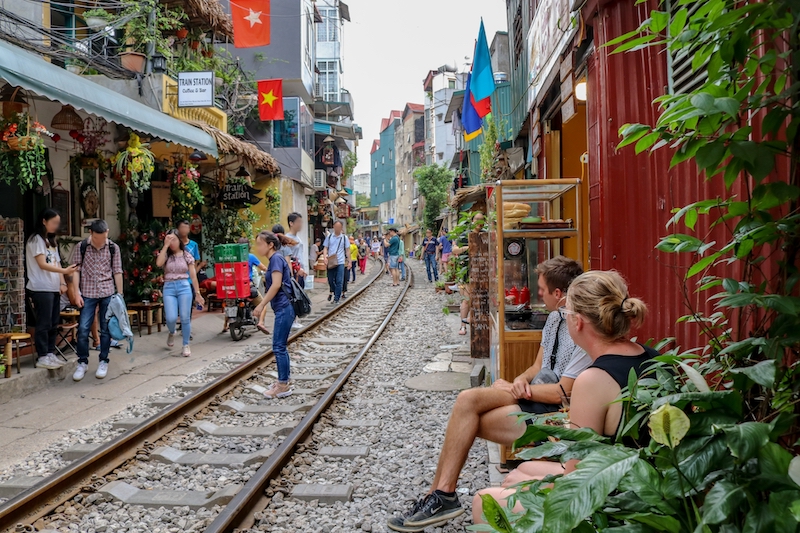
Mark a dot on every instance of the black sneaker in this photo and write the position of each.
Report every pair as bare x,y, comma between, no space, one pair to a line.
437,508
397,523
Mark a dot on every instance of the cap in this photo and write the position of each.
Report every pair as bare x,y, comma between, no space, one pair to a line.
98,226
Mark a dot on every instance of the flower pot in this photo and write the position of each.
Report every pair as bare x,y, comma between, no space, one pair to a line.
194,45
95,23
133,61
75,69
182,33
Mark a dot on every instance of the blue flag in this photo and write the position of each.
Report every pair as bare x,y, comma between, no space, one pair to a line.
470,121
482,76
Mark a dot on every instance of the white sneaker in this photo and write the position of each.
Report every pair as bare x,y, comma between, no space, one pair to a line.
297,325
80,371
102,370
171,340
55,360
186,352
47,362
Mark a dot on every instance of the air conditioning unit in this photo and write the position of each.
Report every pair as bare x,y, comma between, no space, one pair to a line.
318,90
320,180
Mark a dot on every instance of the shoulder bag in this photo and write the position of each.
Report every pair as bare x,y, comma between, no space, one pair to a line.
333,258
298,298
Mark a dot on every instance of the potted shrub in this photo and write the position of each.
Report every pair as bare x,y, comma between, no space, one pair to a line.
182,33
139,33
97,19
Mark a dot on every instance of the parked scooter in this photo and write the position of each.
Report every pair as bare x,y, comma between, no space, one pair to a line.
240,315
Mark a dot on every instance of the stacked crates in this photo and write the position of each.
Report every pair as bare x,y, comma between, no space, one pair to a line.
232,271
12,276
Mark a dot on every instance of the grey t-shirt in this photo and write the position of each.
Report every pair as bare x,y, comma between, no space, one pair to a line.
570,359
340,246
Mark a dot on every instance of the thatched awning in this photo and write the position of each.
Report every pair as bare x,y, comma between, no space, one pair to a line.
466,195
205,14
253,156
405,230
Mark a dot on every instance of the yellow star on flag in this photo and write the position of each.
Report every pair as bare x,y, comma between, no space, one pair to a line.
268,98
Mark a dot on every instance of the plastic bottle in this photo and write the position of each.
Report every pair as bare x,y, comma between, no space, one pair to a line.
525,296
515,293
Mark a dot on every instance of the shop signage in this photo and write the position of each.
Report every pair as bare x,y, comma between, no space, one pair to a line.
195,89
552,28
239,193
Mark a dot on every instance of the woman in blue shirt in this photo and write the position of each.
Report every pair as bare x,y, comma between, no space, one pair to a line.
277,281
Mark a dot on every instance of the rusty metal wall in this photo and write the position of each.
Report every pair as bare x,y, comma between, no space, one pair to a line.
632,196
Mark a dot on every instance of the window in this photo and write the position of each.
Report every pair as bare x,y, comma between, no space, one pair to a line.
390,155
328,29
383,160
286,132
405,187
376,166
383,187
329,79
310,43
62,19
409,138
451,84
682,78
376,188
391,185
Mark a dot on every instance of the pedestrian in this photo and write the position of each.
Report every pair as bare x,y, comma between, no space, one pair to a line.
430,245
313,253
334,252
184,227
278,285
401,259
353,258
295,252
385,248
375,248
393,254
363,252
98,277
445,249
180,288
46,284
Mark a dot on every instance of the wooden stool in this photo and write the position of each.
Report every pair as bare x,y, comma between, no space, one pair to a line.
131,316
17,337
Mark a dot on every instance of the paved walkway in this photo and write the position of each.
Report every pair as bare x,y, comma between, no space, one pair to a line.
34,421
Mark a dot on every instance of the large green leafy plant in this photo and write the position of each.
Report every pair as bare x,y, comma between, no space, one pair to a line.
434,181
722,417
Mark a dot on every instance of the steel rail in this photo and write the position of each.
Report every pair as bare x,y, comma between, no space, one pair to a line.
238,513
44,497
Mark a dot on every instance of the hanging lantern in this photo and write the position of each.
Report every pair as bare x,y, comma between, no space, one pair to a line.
13,101
67,119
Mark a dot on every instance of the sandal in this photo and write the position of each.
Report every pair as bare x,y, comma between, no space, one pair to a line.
463,330
262,329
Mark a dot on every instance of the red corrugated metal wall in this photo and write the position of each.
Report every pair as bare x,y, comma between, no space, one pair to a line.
631,196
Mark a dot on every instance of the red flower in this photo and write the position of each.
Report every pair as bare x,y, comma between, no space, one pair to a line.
135,272
136,247
149,269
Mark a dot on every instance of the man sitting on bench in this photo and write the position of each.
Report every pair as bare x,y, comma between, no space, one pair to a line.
484,411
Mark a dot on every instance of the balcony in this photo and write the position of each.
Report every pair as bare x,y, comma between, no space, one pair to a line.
329,109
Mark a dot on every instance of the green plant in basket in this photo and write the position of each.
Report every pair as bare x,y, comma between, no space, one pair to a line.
185,194
135,165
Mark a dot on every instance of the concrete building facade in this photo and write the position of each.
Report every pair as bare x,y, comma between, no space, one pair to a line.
382,169
409,146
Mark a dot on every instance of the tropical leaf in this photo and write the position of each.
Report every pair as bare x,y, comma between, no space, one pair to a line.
495,515
746,439
721,501
580,493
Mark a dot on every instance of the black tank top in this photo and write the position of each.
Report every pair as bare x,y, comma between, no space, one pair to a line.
619,367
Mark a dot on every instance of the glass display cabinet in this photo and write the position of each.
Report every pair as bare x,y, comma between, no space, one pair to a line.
528,226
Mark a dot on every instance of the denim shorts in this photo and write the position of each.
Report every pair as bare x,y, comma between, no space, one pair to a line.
393,261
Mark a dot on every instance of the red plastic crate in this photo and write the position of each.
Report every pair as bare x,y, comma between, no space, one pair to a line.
233,280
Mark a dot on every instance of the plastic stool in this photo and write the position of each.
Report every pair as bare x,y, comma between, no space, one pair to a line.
17,337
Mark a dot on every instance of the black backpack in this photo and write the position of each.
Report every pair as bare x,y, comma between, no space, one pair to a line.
298,298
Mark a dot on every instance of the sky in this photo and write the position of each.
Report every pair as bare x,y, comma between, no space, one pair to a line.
390,46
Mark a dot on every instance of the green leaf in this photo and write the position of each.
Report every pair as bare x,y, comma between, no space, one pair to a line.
657,522
548,449
540,432
691,219
758,520
633,43
702,264
729,400
744,248
696,378
678,22
746,439
659,21
710,155
494,514
721,501
762,372
744,150
696,466
731,285
764,162
645,481
703,101
583,491
646,142
631,133
728,105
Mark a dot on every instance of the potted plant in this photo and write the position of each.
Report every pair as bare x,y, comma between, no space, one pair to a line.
96,19
134,165
182,33
185,194
75,66
139,33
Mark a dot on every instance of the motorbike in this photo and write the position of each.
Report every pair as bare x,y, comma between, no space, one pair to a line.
240,316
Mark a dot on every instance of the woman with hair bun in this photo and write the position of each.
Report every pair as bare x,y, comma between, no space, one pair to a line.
600,314
277,281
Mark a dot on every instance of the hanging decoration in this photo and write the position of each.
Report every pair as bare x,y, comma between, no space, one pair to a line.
185,194
22,152
134,166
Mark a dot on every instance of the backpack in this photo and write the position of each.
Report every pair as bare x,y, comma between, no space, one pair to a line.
298,298
111,251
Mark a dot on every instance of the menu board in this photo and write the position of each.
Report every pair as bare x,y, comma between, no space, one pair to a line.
479,274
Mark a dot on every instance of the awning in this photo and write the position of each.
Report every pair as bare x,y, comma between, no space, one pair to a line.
250,154
33,73
456,102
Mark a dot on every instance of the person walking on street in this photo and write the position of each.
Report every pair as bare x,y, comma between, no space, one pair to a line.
363,252
180,288
184,227
385,247
46,283
375,248
401,260
393,254
278,284
353,258
445,249
334,250
313,253
295,254
429,247
98,277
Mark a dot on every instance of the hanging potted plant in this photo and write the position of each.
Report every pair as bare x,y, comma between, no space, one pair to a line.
96,19
185,194
134,165
182,33
22,153
139,33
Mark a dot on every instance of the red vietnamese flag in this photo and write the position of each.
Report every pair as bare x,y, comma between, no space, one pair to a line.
250,23
270,99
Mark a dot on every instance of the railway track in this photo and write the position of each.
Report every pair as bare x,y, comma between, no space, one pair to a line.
324,354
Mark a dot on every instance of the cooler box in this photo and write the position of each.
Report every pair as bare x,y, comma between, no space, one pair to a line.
233,280
231,253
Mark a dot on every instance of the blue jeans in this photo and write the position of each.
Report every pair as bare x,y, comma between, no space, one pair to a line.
178,297
90,305
402,267
353,267
284,317
335,281
430,264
